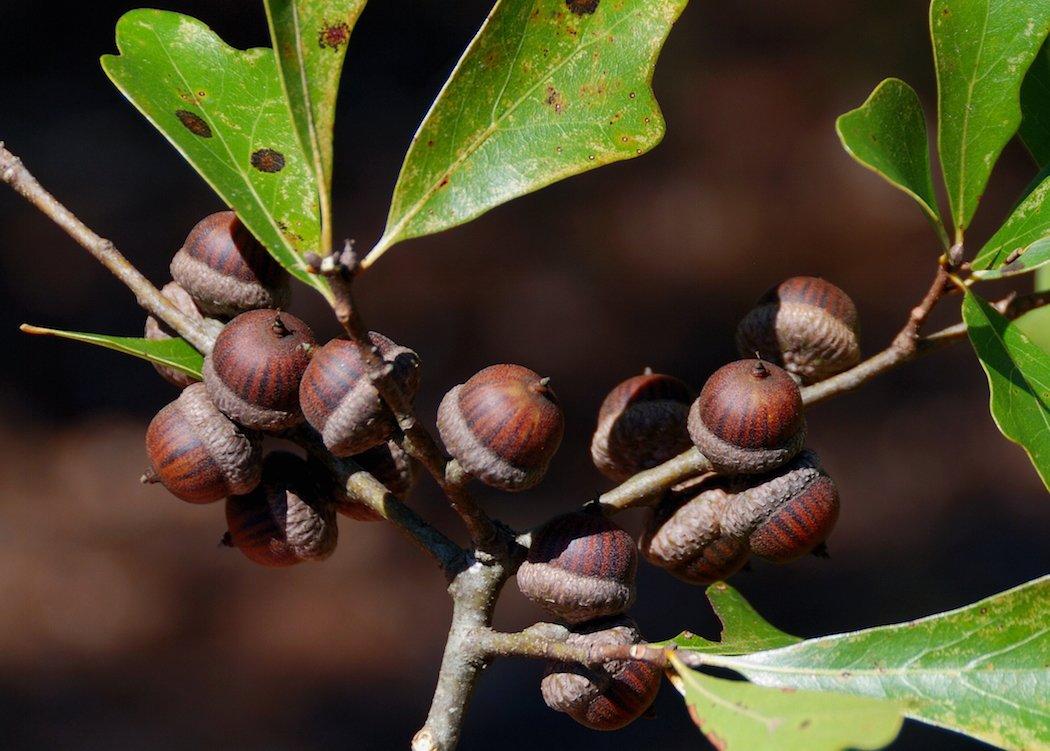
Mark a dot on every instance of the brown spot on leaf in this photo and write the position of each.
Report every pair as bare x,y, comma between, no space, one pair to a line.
333,35
194,123
268,160
804,724
444,182
582,7
555,100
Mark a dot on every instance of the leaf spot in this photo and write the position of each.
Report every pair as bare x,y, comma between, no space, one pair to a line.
194,123
582,7
268,160
332,36
555,100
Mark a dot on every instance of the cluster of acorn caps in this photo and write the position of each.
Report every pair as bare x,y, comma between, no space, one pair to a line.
767,496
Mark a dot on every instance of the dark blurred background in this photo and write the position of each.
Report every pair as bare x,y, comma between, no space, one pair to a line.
123,624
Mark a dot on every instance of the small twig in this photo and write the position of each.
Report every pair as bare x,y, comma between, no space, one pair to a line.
15,174
907,340
535,643
646,487
417,440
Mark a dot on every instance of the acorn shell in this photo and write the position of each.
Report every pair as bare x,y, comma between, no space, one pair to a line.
805,324
786,514
685,537
339,401
255,366
580,566
503,426
748,418
642,423
156,330
198,454
227,271
614,695
284,521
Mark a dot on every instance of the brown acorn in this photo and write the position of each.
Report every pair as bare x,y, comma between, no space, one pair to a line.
339,401
580,566
748,418
157,330
255,366
642,423
285,520
503,426
685,536
805,324
197,453
227,271
786,514
608,697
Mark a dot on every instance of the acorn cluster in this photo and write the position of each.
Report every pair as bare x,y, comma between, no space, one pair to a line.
767,496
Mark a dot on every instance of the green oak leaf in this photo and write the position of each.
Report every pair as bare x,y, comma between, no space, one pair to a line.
1036,324
741,715
547,89
1022,244
887,134
1018,373
743,629
981,670
1035,107
311,37
981,49
224,110
173,353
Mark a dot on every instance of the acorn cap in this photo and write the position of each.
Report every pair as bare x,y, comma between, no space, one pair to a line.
503,426
283,521
807,325
226,270
748,418
642,423
341,403
255,366
785,514
198,454
580,566
619,693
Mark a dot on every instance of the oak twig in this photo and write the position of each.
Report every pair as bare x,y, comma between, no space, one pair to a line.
546,641
15,174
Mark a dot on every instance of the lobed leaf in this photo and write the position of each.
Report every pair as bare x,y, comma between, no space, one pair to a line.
741,715
1018,373
546,90
174,353
982,49
887,134
743,629
225,112
1035,107
310,37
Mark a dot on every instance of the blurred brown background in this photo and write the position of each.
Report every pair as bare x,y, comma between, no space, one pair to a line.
123,624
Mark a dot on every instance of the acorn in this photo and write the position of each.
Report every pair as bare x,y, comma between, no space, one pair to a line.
339,400
503,426
580,566
197,453
786,514
255,366
805,324
608,697
285,520
227,271
156,330
642,423
684,535
748,418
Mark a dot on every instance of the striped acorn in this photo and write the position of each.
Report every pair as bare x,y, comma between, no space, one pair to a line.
255,366
612,697
748,418
786,514
642,423
227,271
158,330
285,520
197,453
805,324
503,426
685,536
338,398
580,566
